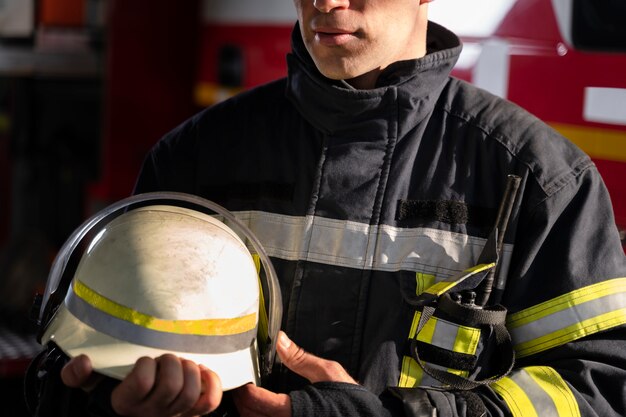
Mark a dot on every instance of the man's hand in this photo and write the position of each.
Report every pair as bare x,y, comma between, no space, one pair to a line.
165,386
253,401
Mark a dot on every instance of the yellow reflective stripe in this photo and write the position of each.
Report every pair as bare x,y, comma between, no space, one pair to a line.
440,287
466,340
411,374
427,332
537,391
480,268
443,286
569,317
552,383
423,281
515,398
263,319
571,333
205,327
568,300
458,372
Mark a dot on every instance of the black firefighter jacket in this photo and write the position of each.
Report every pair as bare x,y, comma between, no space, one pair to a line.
364,199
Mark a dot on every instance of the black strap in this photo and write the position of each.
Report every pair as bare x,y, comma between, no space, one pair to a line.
494,317
32,383
441,356
473,316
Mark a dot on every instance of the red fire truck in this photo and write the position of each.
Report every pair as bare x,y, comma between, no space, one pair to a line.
563,60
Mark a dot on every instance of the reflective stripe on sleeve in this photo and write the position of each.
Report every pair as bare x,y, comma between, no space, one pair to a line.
569,317
537,391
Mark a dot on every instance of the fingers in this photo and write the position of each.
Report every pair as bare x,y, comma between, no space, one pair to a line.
210,394
135,387
191,386
253,401
170,383
78,373
309,366
167,386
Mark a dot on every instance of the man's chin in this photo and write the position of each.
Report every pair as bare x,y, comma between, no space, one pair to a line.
328,71
338,73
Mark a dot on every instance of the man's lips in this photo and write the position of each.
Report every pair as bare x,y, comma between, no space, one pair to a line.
333,36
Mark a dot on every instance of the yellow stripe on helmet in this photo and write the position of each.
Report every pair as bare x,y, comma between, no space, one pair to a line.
204,327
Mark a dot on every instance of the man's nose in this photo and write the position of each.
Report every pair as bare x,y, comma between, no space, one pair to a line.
326,6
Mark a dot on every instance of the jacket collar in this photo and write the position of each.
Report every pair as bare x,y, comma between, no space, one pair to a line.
405,94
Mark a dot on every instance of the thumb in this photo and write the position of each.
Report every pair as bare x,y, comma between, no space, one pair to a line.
309,366
78,373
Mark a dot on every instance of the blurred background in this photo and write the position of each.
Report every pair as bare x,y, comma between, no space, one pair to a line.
87,86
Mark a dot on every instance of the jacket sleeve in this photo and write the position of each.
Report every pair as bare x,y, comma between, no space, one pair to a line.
340,399
566,297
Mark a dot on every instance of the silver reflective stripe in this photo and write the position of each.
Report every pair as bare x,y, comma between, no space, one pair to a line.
445,335
142,336
363,246
570,316
537,391
541,401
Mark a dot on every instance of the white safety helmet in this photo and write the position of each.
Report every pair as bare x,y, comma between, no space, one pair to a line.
159,273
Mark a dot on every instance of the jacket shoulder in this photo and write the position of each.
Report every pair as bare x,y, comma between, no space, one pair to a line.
233,117
258,100
550,157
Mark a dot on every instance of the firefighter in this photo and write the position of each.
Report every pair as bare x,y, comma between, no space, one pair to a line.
373,180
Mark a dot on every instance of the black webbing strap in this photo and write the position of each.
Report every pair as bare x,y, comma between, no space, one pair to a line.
492,316
473,316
